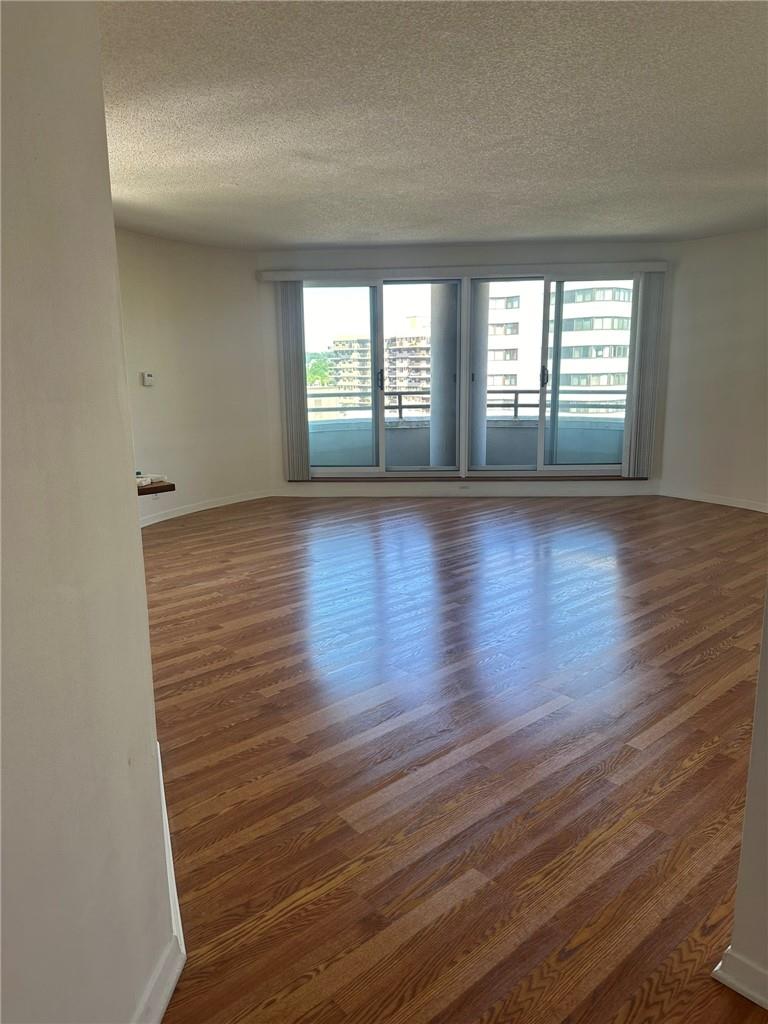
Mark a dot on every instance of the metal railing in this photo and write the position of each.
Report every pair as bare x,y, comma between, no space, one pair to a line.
400,406
510,398
514,403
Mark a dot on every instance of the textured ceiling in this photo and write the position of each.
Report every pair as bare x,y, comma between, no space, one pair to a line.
285,124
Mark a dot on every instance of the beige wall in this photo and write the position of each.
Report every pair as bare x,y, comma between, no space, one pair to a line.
715,430
86,912
192,315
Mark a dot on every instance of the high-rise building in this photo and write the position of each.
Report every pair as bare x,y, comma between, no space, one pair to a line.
594,353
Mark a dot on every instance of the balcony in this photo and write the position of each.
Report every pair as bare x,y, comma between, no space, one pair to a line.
590,421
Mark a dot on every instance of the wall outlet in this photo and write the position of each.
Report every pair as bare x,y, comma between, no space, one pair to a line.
147,378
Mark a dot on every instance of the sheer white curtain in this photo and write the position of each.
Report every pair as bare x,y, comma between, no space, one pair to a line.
641,419
290,308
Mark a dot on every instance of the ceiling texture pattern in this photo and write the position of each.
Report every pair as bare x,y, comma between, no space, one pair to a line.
306,124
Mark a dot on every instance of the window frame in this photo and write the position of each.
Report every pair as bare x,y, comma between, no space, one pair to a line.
573,273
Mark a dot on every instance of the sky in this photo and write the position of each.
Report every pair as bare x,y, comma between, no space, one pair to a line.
334,312
344,311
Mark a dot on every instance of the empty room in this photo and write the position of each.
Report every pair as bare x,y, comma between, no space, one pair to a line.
385,436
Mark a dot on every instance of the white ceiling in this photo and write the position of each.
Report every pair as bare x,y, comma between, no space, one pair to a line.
290,124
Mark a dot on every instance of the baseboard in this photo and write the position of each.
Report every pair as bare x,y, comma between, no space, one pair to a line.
465,488
200,506
713,499
473,487
744,976
438,489
160,986
173,895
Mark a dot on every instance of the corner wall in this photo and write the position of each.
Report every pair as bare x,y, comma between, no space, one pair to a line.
715,436
88,934
193,316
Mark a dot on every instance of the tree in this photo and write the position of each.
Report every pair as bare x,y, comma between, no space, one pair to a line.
318,369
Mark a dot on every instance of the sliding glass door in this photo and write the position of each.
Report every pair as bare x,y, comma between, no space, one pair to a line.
588,363
339,345
505,377
421,365
382,390
476,375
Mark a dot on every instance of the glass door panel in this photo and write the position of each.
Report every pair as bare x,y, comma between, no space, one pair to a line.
505,377
421,344
588,362
339,347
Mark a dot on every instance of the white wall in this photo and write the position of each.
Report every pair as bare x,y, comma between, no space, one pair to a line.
744,966
715,430
712,434
198,318
192,315
179,300
87,914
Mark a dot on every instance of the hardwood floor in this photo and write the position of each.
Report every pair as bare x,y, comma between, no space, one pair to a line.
456,761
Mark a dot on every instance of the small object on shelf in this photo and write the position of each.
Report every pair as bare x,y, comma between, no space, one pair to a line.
158,478
143,481
160,487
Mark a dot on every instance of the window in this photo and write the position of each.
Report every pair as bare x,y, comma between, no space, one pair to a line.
373,371
339,367
585,407
610,323
421,334
588,380
597,295
594,352
595,323
504,407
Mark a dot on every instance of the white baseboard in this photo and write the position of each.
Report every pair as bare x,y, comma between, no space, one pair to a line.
744,976
713,499
464,488
160,986
468,488
200,506
173,896
404,488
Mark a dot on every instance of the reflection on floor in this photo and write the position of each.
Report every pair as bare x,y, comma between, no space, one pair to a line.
456,760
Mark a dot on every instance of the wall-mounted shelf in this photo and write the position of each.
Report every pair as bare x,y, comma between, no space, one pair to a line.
159,488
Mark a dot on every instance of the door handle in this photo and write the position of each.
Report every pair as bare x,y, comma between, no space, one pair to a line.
543,377
380,380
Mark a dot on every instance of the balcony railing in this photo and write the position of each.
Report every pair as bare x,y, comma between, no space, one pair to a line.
399,406
511,400
591,402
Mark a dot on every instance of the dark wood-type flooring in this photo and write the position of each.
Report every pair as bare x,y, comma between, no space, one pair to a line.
459,761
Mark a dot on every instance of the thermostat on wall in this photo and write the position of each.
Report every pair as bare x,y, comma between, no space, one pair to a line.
147,378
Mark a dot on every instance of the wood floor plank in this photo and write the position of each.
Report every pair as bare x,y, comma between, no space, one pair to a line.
371,957
444,761
358,811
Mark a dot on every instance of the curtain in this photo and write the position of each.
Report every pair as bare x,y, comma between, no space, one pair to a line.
293,380
641,418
